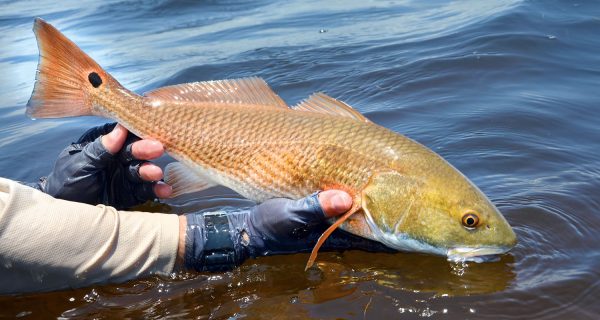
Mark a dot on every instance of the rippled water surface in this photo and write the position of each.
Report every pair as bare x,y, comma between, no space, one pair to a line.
507,91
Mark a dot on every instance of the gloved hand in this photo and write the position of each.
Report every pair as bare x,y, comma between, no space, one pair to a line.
107,165
221,241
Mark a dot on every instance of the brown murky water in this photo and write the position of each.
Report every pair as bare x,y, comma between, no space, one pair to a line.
507,91
349,285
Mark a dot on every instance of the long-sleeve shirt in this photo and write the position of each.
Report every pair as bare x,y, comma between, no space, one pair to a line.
49,244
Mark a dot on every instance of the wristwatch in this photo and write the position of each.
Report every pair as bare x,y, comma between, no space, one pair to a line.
209,244
219,253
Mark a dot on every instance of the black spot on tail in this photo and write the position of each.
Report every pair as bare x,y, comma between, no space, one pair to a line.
95,79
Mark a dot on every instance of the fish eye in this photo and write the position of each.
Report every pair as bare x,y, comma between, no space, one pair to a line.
95,79
470,220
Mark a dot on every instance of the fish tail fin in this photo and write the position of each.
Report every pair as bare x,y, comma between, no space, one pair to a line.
326,234
65,76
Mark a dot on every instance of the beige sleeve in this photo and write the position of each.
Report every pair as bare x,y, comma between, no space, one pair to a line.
49,244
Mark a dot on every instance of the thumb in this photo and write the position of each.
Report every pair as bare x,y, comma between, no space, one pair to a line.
334,202
113,142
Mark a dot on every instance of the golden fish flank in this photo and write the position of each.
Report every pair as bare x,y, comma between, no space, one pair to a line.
240,134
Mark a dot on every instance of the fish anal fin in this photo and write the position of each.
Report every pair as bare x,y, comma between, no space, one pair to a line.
184,180
327,233
250,91
322,103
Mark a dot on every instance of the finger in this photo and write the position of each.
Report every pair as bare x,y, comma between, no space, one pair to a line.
150,191
95,132
132,172
143,171
162,190
126,153
113,142
144,191
335,202
150,172
147,149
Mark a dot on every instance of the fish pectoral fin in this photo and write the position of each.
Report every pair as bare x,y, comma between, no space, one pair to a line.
184,180
327,233
252,91
322,103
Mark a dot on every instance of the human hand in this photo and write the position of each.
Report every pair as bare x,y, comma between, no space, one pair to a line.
280,226
277,226
108,165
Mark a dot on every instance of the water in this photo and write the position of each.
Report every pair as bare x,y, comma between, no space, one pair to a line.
507,91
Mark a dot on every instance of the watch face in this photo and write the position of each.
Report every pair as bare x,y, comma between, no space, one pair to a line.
218,252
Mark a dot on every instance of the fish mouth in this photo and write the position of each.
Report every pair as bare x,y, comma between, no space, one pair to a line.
475,254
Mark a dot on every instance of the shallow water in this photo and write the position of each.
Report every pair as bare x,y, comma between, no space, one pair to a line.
506,91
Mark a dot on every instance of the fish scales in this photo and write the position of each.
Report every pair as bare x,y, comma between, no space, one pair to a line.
275,152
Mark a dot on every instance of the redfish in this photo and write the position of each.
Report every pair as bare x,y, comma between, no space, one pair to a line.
240,134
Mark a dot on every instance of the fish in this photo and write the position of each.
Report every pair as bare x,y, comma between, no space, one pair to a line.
240,134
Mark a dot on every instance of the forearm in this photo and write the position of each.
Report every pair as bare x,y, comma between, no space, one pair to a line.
49,244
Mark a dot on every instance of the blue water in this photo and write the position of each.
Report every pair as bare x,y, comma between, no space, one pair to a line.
506,91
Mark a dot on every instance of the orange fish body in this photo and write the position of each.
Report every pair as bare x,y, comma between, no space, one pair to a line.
240,134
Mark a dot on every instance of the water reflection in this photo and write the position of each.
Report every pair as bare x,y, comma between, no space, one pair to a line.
423,273
272,286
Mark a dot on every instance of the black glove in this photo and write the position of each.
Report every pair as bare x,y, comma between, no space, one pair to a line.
86,172
221,241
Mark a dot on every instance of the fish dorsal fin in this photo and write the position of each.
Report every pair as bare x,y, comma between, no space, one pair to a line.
254,91
322,103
